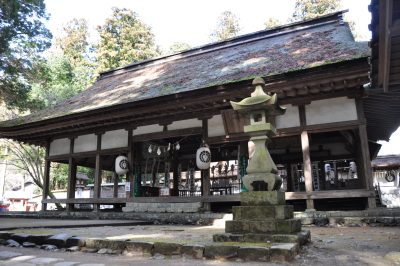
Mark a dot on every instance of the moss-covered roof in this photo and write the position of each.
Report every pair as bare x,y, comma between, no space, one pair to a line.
265,53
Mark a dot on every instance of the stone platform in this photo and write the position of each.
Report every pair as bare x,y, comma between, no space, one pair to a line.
263,217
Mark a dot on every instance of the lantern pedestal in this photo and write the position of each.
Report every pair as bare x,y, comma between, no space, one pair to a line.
263,216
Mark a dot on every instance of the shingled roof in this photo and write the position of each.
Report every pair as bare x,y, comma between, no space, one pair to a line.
293,47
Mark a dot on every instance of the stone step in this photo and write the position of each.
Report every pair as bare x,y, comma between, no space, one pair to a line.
263,226
301,238
191,207
262,198
262,212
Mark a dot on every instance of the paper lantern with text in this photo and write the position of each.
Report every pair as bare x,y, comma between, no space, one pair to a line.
203,157
353,167
121,165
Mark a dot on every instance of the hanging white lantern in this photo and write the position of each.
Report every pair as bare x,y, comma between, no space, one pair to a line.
158,151
353,167
203,157
150,150
121,165
177,147
327,168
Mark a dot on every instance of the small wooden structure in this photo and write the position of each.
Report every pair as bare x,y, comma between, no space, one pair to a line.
158,112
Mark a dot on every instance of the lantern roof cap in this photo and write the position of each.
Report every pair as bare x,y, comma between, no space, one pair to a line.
259,100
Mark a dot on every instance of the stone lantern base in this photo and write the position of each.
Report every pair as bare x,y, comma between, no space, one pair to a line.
262,217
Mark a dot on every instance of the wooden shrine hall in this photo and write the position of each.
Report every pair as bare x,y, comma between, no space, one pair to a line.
157,113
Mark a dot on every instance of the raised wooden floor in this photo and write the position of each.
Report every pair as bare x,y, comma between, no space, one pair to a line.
354,193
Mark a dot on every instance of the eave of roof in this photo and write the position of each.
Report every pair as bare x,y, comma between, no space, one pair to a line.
387,161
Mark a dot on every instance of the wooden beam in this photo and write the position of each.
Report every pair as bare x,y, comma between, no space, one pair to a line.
169,134
46,177
97,174
328,194
305,146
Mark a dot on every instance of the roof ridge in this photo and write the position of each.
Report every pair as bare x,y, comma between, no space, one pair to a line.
249,37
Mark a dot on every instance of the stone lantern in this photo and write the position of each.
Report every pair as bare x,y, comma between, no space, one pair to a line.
261,108
262,215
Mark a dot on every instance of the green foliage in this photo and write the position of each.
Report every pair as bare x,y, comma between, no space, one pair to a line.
55,81
74,42
59,176
227,27
88,171
272,23
124,39
68,69
177,47
22,37
308,9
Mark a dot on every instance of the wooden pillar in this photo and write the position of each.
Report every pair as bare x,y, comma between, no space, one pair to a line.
46,177
364,155
130,175
307,169
115,188
175,180
205,174
366,163
71,175
97,175
305,146
137,188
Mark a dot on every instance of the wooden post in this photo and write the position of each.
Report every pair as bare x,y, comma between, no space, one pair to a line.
137,147
305,146
115,188
46,177
205,174
366,163
71,175
363,154
130,175
97,175
175,181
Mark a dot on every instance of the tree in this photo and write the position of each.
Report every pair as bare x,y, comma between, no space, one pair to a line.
68,69
29,159
55,81
74,41
124,39
177,47
308,9
22,37
75,47
227,27
272,23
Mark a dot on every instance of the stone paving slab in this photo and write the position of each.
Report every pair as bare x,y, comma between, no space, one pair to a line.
5,255
17,223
